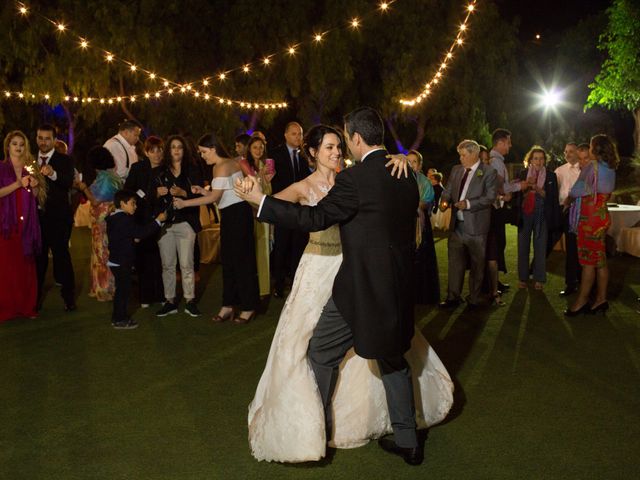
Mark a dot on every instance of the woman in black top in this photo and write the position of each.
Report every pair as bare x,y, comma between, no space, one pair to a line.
179,172
142,180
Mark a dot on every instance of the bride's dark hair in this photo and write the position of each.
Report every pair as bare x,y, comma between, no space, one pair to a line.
313,139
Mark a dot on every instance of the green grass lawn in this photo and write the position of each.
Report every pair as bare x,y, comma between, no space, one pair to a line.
537,395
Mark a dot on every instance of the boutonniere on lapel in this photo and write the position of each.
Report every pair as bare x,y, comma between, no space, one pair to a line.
479,173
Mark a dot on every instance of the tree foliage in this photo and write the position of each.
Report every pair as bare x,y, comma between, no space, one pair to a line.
617,86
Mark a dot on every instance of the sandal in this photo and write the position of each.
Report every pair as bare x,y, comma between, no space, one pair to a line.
223,318
522,284
538,286
242,320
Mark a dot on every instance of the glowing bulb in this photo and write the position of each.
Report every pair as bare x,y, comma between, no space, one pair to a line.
550,98
318,37
75,99
84,43
109,57
222,76
170,91
471,8
133,68
46,97
292,50
205,82
147,95
245,69
166,84
267,61
182,89
21,95
459,41
23,10
7,94
110,101
133,99
221,100
188,87
449,55
119,99
61,27
538,36
463,27
197,94
228,102
102,100
157,94
207,96
384,6
355,23
152,76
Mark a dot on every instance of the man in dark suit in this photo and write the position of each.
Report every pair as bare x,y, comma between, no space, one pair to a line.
288,244
56,218
372,304
470,192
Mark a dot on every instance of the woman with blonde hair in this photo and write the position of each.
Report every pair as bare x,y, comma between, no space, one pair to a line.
589,217
538,214
22,188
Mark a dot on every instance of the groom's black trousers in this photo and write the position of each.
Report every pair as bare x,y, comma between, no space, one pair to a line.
331,340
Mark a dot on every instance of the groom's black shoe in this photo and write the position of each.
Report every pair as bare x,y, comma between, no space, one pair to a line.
412,456
449,304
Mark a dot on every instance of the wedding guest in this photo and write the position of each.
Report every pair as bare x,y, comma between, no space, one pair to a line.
568,174
590,217
56,217
501,146
436,181
123,232
495,250
100,195
539,214
22,188
123,147
288,244
258,165
470,192
142,179
239,272
427,282
242,141
179,173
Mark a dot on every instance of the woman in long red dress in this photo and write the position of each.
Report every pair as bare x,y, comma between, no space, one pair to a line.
21,188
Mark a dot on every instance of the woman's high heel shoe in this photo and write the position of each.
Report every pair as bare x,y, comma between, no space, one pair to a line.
584,309
241,320
603,307
221,318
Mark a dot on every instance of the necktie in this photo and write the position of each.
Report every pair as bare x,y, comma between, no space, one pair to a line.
462,182
43,160
296,170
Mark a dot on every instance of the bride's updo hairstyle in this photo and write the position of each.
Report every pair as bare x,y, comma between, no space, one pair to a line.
210,140
313,139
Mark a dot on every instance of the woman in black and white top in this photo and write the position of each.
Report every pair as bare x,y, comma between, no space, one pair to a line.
239,271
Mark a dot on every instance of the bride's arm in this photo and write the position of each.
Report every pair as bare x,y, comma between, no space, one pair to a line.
293,193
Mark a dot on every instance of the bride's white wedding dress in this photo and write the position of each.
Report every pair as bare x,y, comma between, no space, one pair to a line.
286,417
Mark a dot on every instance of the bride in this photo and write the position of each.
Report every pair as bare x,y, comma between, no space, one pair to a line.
286,417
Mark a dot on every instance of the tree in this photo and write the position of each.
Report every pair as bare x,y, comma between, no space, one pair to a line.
617,86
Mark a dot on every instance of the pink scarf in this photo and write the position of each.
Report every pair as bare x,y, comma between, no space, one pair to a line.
538,178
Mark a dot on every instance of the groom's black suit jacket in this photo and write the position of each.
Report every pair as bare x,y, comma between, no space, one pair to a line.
377,215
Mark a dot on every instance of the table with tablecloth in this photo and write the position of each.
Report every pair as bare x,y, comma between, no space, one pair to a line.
625,237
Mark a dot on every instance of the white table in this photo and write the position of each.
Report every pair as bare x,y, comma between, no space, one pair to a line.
622,216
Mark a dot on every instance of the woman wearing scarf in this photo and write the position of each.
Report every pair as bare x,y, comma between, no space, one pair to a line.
100,194
22,188
589,217
539,214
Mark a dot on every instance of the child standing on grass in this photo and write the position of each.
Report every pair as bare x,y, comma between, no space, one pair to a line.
123,232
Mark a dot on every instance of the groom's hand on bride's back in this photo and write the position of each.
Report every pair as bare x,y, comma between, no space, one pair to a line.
400,164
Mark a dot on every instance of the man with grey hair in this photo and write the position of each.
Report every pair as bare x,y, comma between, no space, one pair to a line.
470,192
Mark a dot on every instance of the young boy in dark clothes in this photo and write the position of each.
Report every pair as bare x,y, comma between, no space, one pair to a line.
122,232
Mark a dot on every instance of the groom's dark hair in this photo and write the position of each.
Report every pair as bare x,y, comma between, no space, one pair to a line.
368,123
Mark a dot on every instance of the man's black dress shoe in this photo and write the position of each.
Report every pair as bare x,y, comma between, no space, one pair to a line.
412,456
449,304
70,307
503,287
568,291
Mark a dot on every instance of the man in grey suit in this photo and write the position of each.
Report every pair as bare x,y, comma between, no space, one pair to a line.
470,192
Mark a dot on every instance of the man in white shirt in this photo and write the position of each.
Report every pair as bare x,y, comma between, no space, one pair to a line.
567,175
123,147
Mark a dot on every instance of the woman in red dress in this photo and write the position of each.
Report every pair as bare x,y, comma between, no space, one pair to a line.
21,186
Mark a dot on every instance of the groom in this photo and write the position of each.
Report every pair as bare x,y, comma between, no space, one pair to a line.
372,305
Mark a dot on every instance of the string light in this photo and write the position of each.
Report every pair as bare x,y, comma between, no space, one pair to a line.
438,75
84,44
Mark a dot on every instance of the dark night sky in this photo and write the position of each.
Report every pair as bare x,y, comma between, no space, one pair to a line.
549,16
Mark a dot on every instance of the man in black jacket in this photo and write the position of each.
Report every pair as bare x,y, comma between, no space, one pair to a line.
371,307
122,232
288,244
56,218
